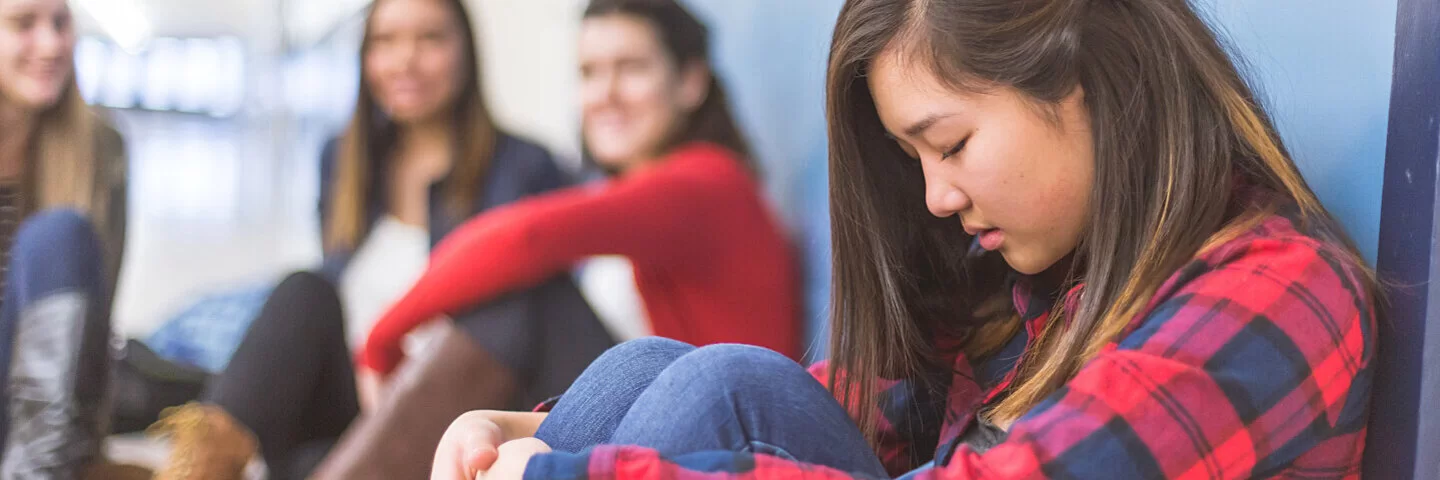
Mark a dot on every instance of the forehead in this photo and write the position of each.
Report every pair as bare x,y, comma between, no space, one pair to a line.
906,91
410,14
617,35
39,6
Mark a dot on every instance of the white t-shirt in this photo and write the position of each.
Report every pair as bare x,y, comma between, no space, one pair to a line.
608,283
386,265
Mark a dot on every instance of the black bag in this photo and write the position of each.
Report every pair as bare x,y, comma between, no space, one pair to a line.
145,384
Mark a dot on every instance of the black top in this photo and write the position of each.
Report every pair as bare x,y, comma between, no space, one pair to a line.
517,169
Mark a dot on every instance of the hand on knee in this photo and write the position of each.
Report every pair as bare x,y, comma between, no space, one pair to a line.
488,444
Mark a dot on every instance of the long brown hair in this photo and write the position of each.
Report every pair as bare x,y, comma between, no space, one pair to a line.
687,41
1175,128
371,136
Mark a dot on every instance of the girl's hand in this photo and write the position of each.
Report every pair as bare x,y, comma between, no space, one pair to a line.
514,456
369,385
470,446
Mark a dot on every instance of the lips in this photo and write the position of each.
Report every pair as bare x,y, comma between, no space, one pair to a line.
990,239
44,72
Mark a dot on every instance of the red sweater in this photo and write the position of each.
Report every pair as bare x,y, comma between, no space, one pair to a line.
710,262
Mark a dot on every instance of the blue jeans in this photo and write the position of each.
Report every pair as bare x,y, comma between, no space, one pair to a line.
678,399
55,322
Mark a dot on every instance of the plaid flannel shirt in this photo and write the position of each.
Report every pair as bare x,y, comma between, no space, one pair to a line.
1252,361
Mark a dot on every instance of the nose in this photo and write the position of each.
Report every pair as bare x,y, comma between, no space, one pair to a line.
942,196
409,54
600,88
609,86
49,41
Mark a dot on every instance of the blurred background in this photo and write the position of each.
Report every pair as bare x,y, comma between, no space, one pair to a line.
226,103
225,110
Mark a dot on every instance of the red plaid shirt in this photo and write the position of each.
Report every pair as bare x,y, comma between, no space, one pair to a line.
1254,360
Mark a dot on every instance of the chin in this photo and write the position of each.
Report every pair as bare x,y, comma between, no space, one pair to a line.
41,101
609,157
410,113
611,164
1024,265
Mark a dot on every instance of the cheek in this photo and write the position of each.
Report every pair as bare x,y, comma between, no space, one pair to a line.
9,56
1060,208
645,95
376,64
592,98
444,66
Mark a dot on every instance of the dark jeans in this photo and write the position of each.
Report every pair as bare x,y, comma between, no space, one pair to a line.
678,399
54,355
291,381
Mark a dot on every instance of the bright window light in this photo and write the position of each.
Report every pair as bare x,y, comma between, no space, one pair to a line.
123,20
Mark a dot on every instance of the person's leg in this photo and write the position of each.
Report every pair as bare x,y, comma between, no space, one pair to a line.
290,380
496,357
746,399
568,337
428,392
590,411
56,320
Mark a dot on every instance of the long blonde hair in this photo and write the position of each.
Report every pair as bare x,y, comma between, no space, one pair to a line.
60,168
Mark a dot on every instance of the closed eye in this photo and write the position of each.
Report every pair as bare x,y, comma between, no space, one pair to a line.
955,149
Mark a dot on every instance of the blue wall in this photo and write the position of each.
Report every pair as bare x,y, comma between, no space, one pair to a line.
1322,66
772,57
1324,69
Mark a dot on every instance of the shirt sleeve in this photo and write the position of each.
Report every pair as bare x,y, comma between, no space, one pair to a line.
897,451
650,218
1254,362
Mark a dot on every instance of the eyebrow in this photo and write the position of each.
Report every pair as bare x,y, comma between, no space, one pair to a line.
929,121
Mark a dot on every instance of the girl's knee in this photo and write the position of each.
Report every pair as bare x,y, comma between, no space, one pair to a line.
738,366
57,233
647,349
307,285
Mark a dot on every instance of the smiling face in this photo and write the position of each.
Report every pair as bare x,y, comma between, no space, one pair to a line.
414,59
37,47
633,94
1016,178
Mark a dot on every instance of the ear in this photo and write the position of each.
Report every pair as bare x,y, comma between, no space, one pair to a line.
694,85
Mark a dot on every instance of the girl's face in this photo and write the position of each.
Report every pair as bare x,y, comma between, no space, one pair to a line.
1016,178
413,64
633,95
37,46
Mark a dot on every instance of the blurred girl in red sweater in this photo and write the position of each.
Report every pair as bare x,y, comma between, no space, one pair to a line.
711,264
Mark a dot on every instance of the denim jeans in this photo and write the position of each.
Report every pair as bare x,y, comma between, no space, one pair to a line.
678,399
54,347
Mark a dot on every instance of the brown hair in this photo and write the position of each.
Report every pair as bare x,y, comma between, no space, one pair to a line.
686,41
371,134
1174,128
